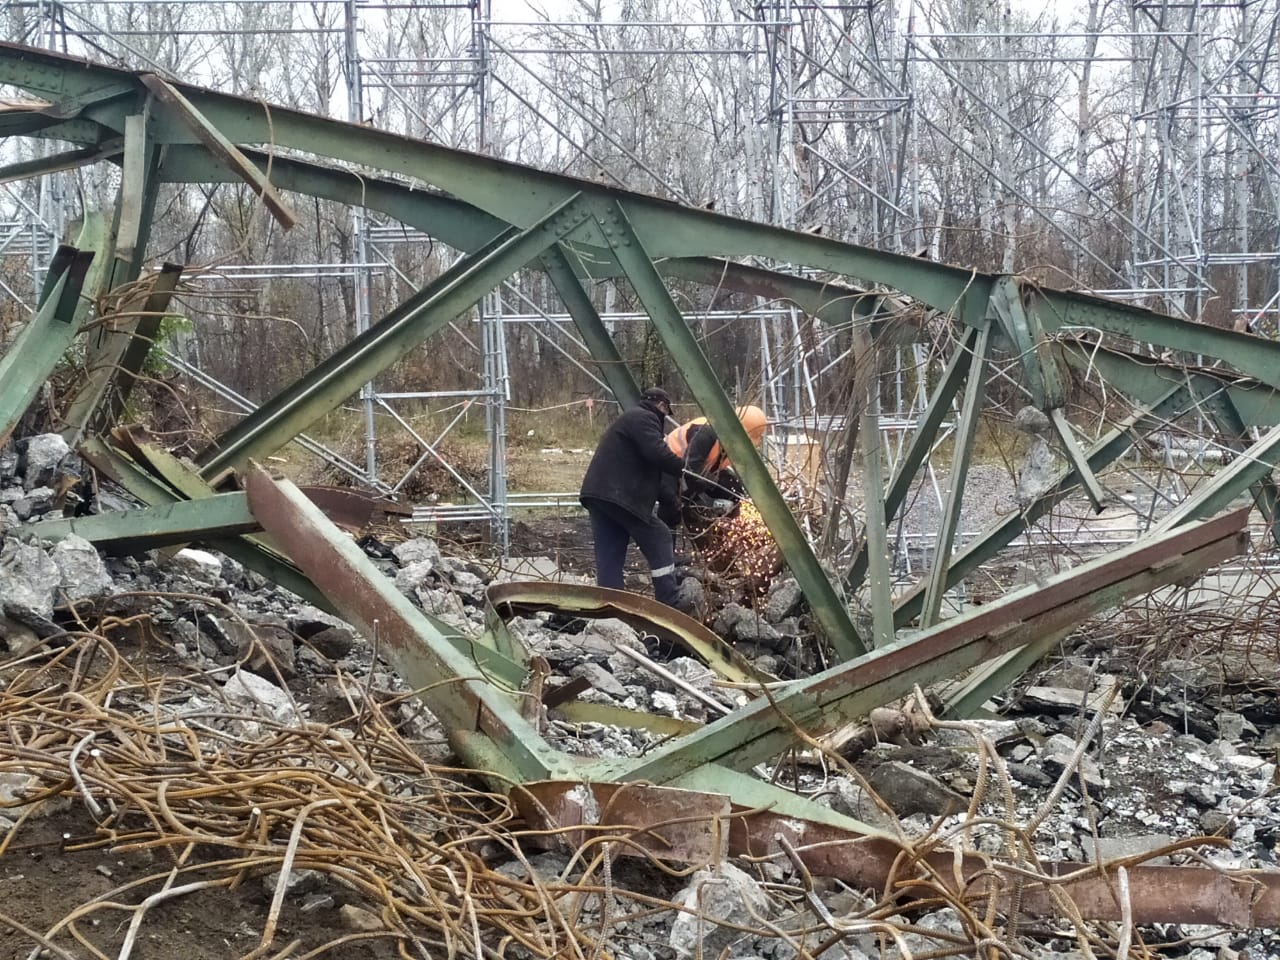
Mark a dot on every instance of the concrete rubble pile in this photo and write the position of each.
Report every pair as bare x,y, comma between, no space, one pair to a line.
1156,768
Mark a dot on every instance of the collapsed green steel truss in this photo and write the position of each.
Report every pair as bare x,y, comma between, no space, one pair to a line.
503,218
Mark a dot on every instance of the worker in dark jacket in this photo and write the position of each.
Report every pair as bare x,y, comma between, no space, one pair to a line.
620,491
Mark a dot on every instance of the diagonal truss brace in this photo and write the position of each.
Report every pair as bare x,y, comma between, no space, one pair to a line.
671,327
339,377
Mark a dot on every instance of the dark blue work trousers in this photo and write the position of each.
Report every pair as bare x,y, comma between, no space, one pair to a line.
612,528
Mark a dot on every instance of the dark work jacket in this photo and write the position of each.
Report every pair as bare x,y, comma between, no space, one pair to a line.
629,462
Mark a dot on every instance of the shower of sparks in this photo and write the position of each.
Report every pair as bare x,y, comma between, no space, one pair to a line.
742,544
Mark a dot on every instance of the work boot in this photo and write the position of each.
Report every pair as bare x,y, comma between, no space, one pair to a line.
666,589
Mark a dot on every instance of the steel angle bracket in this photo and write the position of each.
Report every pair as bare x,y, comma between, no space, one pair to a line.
517,598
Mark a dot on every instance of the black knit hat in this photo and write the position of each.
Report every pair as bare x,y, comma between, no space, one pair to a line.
656,395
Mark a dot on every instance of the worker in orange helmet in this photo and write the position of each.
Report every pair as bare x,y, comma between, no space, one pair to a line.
708,475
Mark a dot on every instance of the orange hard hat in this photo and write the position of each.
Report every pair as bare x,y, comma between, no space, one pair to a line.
753,421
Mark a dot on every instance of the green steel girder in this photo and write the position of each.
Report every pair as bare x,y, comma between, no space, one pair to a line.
144,336
1030,345
484,724
323,389
220,146
975,390
167,524
1061,310
764,728
521,196
1176,401
125,250
922,441
828,608
1144,379
613,368
1251,467
518,195
29,360
58,162
463,227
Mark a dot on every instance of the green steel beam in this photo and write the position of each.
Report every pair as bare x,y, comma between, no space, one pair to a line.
765,727
223,515
970,412
827,607
483,722
323,389
30,359
57,162
1176,401
613,368
521,196
877,537
1025,332
1143,379
1266,492
1252,466
518,195
463,227
1041,374
146,332
922,441
997,676
221,147
1061,310
126,248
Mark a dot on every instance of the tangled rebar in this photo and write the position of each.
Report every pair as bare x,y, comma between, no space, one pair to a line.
165,763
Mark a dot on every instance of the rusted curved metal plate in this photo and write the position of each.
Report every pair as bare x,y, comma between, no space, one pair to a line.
580,600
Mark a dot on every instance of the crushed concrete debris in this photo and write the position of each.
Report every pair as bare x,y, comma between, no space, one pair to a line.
1173,764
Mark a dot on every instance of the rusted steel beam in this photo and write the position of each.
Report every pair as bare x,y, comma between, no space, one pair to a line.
683,824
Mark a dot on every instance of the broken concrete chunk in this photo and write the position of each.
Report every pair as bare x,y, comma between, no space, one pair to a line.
18,637
198,565
1062,699
410,577
358,919
260,646
691,598
28,579
784,599
610,634
35,504
600,679
41,458
1104,849
1056,754
300,882
81,575
726,895
908,790
1232,726
1032,420
417,550
261,696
